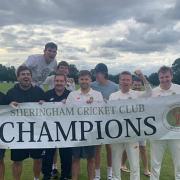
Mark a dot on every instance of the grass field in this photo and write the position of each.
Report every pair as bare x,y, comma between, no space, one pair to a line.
167,172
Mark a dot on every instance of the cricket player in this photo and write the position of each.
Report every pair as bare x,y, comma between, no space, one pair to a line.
132,148
166,88
84,95
138,86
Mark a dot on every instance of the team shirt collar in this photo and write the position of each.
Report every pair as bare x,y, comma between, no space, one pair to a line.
87,94
168,90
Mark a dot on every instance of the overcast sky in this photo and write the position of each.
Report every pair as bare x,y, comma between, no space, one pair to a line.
124,34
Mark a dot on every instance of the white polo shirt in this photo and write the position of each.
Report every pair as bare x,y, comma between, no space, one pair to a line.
158,91
40,69
76,97
128,95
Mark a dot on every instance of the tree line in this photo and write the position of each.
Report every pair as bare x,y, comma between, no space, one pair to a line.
8,74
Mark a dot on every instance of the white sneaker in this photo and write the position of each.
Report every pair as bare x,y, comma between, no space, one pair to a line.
109,178
97,178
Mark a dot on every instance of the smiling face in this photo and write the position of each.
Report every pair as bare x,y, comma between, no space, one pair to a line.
125,82
165,79
84,82
25,78
59,82
63,70
137,85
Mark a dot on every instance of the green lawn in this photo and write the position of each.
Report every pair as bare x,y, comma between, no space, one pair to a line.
167,172
5,86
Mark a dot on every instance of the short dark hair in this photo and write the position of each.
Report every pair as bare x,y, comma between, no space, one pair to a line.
23,68
135,78
50,45
164,69
125,73
63,63
102,68
85,73
60,74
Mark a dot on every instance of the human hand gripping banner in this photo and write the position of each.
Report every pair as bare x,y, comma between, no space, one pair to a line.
50,125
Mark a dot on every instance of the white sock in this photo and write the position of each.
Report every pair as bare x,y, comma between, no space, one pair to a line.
109,171
97,173
36,178
54,166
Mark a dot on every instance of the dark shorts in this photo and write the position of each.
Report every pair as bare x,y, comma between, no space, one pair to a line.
2,152
21,154
84,152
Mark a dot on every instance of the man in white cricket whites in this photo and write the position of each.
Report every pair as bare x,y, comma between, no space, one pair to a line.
84,95
132,148
41,65
166,88
106,87
138,86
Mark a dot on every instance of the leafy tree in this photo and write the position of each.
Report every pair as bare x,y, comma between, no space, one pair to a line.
73,72
93,73
7,73
153,79
176,71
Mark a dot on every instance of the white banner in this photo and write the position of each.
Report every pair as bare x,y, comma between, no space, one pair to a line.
51,125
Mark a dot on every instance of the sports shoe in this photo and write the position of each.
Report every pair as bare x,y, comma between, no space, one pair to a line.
54,173
97,178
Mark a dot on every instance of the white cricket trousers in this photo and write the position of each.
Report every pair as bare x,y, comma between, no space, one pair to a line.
157,151
132,150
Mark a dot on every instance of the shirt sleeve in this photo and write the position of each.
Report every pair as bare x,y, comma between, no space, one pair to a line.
55,65
7,98
147,92
72,87
47,80
70,98
30,62
111,97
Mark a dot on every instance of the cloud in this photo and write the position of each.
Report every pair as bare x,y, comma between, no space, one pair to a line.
79,12
144,39
173,12
124,34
